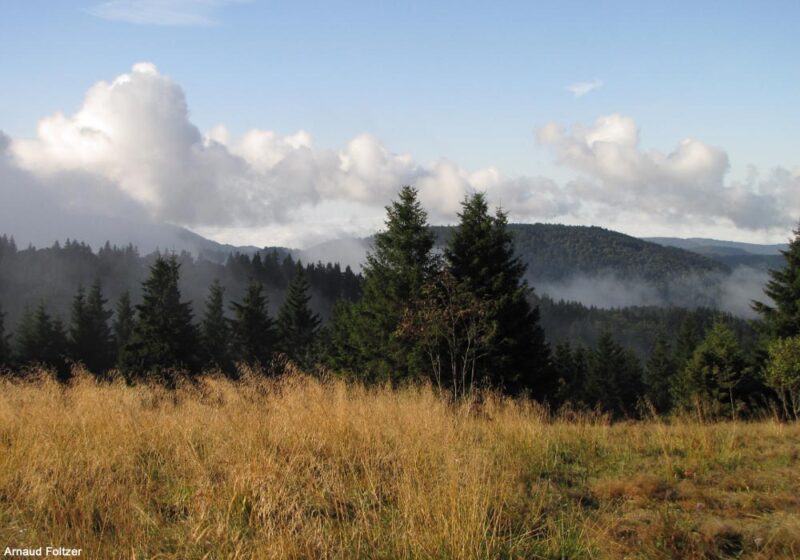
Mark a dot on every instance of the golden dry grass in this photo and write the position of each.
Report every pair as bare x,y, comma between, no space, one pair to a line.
308,469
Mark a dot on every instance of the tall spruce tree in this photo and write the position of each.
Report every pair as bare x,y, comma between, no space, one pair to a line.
41,340
614,381
164,340
122,325
252,327
782,318
90,338
710,380
5,346
397,268
215,331
480,255
297,325
659,371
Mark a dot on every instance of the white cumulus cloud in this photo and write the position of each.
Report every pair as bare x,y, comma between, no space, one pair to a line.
133,145
686,184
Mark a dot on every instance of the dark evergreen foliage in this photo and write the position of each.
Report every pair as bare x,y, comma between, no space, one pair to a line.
122,326
252,328
782,318
90,339
711,382
614,381
215,332
398,267
41,340
480,254
5,344
658,375
297,325
164,339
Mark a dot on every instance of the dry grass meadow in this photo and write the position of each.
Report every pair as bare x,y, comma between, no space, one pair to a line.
308,469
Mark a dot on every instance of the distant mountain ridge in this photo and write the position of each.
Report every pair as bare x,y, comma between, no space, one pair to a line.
593,265
731,253
553,252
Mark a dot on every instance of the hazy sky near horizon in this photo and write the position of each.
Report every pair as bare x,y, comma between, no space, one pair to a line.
286,123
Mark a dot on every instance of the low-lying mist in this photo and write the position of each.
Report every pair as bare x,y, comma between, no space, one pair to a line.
733,292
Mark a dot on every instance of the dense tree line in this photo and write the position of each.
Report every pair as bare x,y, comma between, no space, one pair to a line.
463,318
52,275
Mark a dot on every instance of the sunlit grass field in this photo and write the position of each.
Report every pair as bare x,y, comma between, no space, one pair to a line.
301,468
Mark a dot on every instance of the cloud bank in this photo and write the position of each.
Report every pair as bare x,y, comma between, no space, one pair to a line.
134,146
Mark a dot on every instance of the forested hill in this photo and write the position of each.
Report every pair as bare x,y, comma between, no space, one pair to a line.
556,252
52,275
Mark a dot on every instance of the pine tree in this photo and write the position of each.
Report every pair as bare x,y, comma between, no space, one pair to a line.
5,346
89,334
396,270
297,325
564,372
782,319
122,326
710,379
480,254
687,340
658,375
252,327
215,330
164,340
614,383
41,340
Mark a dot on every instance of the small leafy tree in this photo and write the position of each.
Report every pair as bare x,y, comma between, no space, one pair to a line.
453,328
783,373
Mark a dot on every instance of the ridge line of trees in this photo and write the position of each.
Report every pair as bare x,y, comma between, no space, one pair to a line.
464,319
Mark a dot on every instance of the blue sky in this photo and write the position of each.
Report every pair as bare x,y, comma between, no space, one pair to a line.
468,81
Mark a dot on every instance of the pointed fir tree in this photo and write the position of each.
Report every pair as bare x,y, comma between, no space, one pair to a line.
215,331
709,382
41,340
297,325
614,381
659,370
5,345
782,318
564,371
397,268
480,254
164,340
252,328
122,326
90,337
685,343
